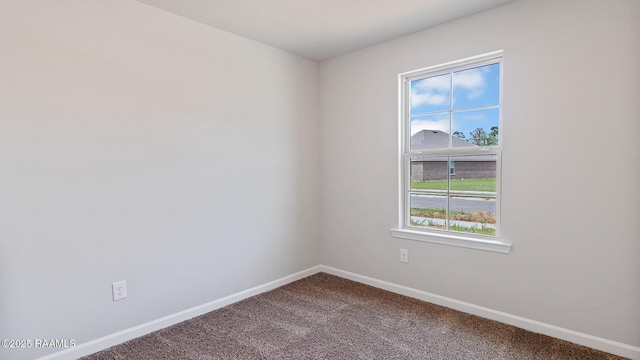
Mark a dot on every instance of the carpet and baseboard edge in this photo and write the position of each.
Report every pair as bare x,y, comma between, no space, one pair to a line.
595,342
591,341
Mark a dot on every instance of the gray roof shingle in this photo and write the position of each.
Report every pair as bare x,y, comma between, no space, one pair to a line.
435,139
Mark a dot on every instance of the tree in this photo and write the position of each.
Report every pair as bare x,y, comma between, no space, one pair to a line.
459,134
493,135
481,138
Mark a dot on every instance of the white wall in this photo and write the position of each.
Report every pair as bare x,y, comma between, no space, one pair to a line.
137,145
571,164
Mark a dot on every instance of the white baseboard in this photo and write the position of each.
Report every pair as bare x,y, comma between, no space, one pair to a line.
613,347
591,341
146,328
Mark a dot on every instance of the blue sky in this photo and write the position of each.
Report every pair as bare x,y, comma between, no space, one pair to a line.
432,98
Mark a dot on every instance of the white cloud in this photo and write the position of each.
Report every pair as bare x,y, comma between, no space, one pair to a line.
418,99
438,83
431,91
471,80
435,91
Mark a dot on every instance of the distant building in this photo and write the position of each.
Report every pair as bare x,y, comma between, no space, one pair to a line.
438,168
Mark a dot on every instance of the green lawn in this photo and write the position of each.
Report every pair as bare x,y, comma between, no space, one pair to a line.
463,185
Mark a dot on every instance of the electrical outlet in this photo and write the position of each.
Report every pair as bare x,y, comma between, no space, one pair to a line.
119,290
404,255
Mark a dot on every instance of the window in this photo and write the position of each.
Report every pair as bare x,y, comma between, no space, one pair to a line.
450,153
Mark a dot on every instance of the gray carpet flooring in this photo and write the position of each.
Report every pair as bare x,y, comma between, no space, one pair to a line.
327,317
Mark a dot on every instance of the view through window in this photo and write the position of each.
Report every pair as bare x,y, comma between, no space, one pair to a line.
452,148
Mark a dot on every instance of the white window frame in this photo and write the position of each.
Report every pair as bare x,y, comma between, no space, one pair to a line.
405,230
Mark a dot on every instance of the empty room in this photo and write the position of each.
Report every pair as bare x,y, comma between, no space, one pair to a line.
335,179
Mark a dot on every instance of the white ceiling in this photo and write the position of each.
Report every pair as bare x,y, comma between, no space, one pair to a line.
322,29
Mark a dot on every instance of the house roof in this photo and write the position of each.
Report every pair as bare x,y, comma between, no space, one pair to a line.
435,139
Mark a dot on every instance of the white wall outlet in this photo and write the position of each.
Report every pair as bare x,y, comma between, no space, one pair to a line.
404,255
119,290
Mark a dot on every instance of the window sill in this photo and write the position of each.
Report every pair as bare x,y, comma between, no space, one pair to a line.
453,240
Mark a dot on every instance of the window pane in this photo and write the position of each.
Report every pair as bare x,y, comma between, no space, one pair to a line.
430,132
429,173
431,94
477,87
428,211
472,204
472,214
474,173
476,127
